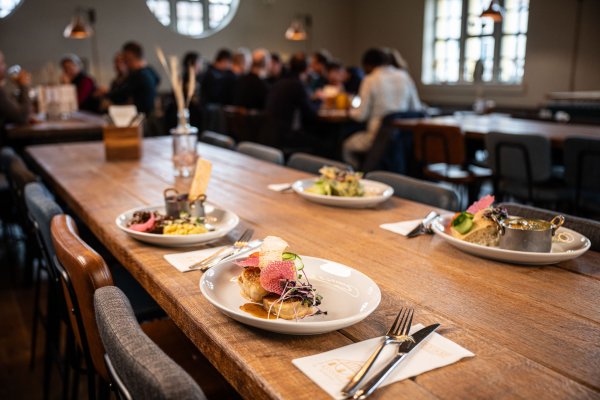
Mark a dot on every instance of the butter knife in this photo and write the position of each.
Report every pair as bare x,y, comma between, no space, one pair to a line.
423,226
233,255
404,349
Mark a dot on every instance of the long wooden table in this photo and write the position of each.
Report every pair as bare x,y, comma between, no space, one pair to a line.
535,330
477,126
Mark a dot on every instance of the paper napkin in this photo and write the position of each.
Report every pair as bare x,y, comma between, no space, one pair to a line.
333,369
279,187
403,228
183,261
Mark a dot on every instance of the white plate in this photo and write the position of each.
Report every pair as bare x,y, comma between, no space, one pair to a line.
349,296
226,221
375,193
575,245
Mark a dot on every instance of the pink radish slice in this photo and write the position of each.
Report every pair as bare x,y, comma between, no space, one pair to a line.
248,262
146,226
481,204
276,271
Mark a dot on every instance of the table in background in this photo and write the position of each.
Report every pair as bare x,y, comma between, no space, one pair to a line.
535,330
80,126
477,126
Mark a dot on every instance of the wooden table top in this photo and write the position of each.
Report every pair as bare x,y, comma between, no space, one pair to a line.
477,126
535,330
78,124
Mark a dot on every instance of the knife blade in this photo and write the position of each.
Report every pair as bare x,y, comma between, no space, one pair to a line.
252,246
404,350
423,225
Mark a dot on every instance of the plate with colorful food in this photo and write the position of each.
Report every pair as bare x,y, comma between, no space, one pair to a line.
280,291
488,231
151,224
342,188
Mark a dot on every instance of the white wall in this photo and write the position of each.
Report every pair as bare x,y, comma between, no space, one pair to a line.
32,36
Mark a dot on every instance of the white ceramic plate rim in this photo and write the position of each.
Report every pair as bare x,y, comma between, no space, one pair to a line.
198,236
440,222
305,322
300,187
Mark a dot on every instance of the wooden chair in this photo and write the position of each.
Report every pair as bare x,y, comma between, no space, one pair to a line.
262,152
440,149
312,164
418,190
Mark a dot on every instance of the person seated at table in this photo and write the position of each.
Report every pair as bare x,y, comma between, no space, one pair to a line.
251,90
140,86
241,61
116,84
277,69
217,83
74,74
384,90
289,108
17,109
353,77
318,70
395,59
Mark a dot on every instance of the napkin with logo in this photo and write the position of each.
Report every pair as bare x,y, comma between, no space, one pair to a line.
333,369
403,228
183,261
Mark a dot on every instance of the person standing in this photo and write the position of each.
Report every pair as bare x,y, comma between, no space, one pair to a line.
383,91
13,110
140,86
251,90
217,84
74,74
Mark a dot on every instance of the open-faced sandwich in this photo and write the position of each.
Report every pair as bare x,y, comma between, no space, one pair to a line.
160,224
476,225
336,182
273,277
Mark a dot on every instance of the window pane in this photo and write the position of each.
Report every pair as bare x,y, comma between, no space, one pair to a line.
521,44
509,46
454,28
441,28
7,7
161,9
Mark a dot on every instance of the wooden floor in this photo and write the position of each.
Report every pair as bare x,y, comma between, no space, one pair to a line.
19,381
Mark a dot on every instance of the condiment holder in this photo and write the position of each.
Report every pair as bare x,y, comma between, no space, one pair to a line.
176,203
530,235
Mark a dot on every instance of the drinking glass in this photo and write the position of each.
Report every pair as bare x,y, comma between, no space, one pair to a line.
184,152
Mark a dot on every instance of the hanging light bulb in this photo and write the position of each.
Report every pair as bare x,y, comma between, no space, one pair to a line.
296,31
495,11
78,28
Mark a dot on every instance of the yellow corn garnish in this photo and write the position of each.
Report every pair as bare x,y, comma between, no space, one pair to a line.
183,229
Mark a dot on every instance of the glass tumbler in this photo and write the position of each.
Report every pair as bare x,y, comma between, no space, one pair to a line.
184,152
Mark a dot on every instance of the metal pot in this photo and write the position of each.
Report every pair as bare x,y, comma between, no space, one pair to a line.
176,203
531,235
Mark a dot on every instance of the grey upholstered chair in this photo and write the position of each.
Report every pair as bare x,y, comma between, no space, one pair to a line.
262,152
417,190
138,368
312,164
582,171
586,227
218,139
522,167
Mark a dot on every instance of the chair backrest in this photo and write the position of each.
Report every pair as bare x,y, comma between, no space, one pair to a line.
582,163
41,208
218,139
434,143
312,164
260,151
519,158
82,271
138,367
418,190
587,227
18,176
6,156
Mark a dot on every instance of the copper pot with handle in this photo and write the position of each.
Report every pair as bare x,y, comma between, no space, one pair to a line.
530,235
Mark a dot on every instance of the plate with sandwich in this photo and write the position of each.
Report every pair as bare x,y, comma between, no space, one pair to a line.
280,291
489,232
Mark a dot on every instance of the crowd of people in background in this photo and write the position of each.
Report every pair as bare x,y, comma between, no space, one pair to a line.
288,93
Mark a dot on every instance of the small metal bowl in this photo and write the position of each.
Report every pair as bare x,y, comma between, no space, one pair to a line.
530,235
176,203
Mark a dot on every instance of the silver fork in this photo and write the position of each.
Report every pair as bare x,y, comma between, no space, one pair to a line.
238,244
396,334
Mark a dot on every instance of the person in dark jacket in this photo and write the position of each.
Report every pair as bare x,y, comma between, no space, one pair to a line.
251,90
218,81
14,110
74,74
289,109
140,87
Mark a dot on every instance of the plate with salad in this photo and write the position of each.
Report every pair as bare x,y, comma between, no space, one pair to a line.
150,224
342,188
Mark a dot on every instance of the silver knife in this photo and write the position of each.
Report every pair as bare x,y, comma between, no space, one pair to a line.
404,350
419,229
235,254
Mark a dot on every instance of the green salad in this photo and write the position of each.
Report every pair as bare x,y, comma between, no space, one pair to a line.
336,182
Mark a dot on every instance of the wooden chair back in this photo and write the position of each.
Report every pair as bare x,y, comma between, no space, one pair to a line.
435,143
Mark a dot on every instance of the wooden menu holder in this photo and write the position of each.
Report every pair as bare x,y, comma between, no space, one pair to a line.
123,143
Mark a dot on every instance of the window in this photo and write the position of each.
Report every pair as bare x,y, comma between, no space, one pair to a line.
195,18
461,48
8,6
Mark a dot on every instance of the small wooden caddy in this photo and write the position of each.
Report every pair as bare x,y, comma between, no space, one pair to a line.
123,143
